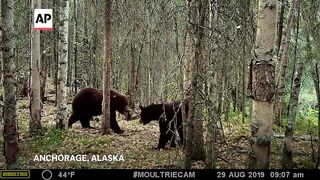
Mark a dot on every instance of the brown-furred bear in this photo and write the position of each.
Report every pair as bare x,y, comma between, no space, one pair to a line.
88,103
169,116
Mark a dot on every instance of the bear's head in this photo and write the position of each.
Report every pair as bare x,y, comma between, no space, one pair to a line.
121,104
149,113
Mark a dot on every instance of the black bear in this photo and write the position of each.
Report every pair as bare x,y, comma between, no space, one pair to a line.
88,103
170,119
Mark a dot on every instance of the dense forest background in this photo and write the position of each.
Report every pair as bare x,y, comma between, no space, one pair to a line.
157,47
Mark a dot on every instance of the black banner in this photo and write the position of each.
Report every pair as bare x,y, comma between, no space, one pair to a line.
48,174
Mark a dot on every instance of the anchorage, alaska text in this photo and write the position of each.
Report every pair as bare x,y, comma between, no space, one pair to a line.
79,157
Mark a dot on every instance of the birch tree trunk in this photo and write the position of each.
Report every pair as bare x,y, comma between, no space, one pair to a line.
106,70
62,65
211,157
297,26
263,85
189,55
35,98
287,162
10,130
279,108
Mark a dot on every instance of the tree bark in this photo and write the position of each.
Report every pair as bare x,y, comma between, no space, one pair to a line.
94,46
10,130
75,46
213,117
287,162
55,49
295,54
132,70
263,85
194,149
35,98
106,70
62,65
315,77
280,27
279,108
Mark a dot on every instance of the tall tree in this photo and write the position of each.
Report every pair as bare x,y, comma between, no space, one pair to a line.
106,70
316,80
132,69
287,162
194,149
75,46
10,131
296,44
35,98
62,64
280,27
186,80
279,108
262,84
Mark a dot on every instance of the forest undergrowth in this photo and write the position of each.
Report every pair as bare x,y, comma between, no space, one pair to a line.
136,145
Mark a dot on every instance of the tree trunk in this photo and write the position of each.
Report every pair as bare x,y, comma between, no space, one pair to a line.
86,47
194,149
43,71
189,56
287,162
62,65
315,77
94,46
75,46
55,49
10,129
280,27
132,71
263,85
213,117
279,108
295,54
35,99
150,67
107,70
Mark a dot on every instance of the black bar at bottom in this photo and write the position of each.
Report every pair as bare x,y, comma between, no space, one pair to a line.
48,174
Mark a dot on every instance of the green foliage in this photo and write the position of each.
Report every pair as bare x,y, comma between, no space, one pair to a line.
48,142
236,117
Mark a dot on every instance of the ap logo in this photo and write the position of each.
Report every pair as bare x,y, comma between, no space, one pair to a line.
43,19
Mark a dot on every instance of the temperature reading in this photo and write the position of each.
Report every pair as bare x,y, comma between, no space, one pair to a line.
66,174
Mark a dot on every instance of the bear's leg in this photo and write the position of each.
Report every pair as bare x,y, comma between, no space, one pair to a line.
163,135
72,120
113,122
162,141
85,122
